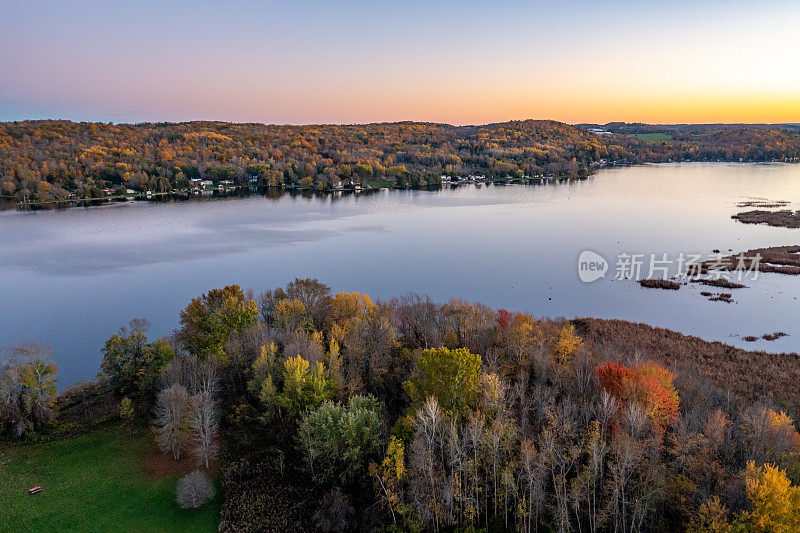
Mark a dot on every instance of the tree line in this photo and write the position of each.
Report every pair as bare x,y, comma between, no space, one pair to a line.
337,412
46,161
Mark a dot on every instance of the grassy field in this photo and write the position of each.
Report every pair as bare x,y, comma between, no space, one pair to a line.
94,482
378,184
654,136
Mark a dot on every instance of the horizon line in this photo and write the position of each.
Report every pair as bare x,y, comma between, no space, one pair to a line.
464,125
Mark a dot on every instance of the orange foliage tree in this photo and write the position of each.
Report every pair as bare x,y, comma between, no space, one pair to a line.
647,384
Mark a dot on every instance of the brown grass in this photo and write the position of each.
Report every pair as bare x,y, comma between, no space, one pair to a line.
763,203
777,259
158,465
751,376
722,297
660,284
784,218
721,282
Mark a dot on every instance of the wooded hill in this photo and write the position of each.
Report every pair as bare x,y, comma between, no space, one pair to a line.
43,161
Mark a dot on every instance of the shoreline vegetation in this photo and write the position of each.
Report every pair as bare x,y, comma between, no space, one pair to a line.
775,259
660,284
779,219
54,163
243,191
335,412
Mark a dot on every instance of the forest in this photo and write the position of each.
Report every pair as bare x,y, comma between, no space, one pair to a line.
335,412
51,160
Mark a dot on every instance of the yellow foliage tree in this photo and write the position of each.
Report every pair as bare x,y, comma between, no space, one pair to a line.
567,344
775,502
390,475
301,388
289,315
711,518
347,305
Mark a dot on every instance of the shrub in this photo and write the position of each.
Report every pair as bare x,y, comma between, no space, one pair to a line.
194,490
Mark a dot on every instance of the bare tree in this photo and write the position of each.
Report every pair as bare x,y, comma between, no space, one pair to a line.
172,419
418,320
423,464
205,426
315,296
207,380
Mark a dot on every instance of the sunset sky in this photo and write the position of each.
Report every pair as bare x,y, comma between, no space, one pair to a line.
460,62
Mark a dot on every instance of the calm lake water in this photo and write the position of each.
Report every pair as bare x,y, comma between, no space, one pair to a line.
70,278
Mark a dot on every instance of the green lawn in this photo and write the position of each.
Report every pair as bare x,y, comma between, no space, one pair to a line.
93,482
654,136
379,184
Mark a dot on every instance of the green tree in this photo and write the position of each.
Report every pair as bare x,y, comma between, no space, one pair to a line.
453,377
208,321
340,440
303,389
300,388
131,363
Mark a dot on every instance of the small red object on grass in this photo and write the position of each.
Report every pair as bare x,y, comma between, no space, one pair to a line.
35,489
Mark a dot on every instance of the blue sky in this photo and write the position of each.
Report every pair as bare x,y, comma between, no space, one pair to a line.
458,62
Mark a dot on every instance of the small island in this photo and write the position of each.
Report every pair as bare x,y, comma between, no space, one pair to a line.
781,219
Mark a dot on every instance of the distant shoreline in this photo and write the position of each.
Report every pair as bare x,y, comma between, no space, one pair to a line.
8,203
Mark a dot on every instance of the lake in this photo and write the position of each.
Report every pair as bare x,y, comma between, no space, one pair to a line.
72,277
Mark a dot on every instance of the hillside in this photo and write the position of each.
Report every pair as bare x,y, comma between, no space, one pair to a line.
45,161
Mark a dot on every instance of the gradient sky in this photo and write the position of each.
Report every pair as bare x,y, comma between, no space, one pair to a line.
460,62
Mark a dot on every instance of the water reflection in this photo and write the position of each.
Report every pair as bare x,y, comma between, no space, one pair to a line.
70,277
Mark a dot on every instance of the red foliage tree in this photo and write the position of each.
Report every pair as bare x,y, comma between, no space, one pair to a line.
647,384
503,317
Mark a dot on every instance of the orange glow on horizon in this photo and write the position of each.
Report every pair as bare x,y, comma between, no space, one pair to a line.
458,63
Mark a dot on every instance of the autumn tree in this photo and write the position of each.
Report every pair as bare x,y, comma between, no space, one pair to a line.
770,434
208,321
647,384
299,388
390,475
567,344
289,316
368,344
774,501
518,333
315,297
133,364
346,306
